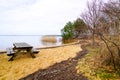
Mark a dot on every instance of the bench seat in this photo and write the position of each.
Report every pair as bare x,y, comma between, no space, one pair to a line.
10,52
35,51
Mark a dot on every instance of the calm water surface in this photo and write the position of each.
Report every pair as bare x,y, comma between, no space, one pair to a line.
7,41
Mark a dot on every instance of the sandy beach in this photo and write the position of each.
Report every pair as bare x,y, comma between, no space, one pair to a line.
24,65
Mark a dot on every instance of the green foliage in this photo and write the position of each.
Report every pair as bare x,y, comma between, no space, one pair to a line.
67,31
104,75
80,27
74,29
118,73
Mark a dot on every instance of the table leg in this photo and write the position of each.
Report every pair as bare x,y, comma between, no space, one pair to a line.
32,55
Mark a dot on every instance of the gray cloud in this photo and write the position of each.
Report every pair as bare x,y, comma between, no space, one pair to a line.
38,17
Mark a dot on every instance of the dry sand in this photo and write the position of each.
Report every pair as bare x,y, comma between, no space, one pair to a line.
24,64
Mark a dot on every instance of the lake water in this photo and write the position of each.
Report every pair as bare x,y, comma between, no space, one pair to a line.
7,41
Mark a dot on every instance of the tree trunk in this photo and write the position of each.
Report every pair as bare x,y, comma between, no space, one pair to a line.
112,57
93,38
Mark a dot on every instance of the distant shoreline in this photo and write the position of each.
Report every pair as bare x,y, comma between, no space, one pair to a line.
30,35
34,40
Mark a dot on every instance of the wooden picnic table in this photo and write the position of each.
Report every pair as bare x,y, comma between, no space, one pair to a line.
22,45
18,47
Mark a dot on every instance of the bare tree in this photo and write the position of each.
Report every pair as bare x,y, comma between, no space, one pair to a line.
104,19
110,22
92,16
112,11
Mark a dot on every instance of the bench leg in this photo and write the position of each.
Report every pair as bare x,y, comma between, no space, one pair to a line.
33,56
11,59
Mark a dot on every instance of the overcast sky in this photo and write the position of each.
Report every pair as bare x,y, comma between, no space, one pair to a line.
37,17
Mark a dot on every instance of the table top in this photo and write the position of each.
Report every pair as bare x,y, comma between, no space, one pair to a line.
22,45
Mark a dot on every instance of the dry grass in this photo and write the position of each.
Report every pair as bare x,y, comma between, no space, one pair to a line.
24,64
95,64
49,39
87,64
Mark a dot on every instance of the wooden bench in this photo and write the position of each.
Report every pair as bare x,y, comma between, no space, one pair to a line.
35,51
10,52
